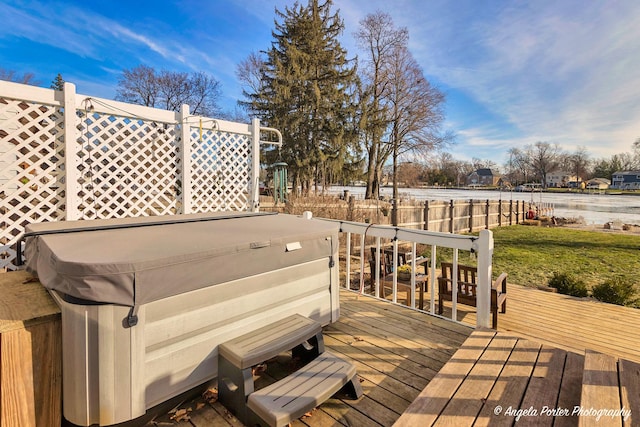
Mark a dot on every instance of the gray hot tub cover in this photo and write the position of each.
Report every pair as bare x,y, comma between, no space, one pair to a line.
138,260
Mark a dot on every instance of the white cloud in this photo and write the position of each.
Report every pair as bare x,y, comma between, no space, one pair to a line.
564,72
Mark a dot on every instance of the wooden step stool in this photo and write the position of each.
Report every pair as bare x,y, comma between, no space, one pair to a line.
293,396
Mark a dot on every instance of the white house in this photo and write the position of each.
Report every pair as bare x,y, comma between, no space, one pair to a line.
560,178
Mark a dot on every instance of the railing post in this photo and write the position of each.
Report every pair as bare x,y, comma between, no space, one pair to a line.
254,185
485,255
347,283
185,159
71,161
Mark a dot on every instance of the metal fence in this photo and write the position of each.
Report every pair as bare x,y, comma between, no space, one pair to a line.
67,156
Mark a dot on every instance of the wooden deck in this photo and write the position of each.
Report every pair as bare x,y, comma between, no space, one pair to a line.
497,379
568,323
398,351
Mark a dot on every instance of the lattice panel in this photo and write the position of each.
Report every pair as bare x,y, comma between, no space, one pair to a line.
31,170
118,167
129,167
220,171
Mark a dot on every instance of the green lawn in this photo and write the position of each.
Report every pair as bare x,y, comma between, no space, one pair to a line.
532,254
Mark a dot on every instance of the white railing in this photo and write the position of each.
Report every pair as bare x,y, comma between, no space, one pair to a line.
68,156
480,246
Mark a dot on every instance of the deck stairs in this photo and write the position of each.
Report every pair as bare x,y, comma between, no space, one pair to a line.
288,399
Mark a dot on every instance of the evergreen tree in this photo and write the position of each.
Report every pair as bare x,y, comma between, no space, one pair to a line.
57,83
307,92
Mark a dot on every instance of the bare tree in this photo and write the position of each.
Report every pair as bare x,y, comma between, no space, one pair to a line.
169,90
410,173
543,158
378,37
483,164
415,108
138,86
579,162
626,161
12,76
250,72
635,147
518,169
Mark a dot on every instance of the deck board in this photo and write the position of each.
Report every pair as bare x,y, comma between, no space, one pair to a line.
511,385
467,401
570,389
630,384
600,386
544,386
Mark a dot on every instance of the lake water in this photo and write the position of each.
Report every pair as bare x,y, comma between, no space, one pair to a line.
594,208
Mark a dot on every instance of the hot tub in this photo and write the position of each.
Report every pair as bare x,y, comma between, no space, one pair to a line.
146,301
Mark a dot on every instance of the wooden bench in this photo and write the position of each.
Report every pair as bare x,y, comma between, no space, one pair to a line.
293,396
467,289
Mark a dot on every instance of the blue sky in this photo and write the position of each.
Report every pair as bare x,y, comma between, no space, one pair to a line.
514,72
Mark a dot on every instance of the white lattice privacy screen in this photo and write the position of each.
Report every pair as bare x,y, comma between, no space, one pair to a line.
66,156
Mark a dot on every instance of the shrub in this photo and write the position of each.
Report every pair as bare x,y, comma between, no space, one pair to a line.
616,291
404,268
569,285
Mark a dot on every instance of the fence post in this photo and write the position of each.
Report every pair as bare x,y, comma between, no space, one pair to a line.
351,208
487,217
71,161
470,215
500,213
426,215
185,159
451,217
394,212
485,255
511,212
254,185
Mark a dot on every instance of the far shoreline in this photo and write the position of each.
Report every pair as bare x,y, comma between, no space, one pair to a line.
592,207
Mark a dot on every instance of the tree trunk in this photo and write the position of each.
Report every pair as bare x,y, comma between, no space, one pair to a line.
372,185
